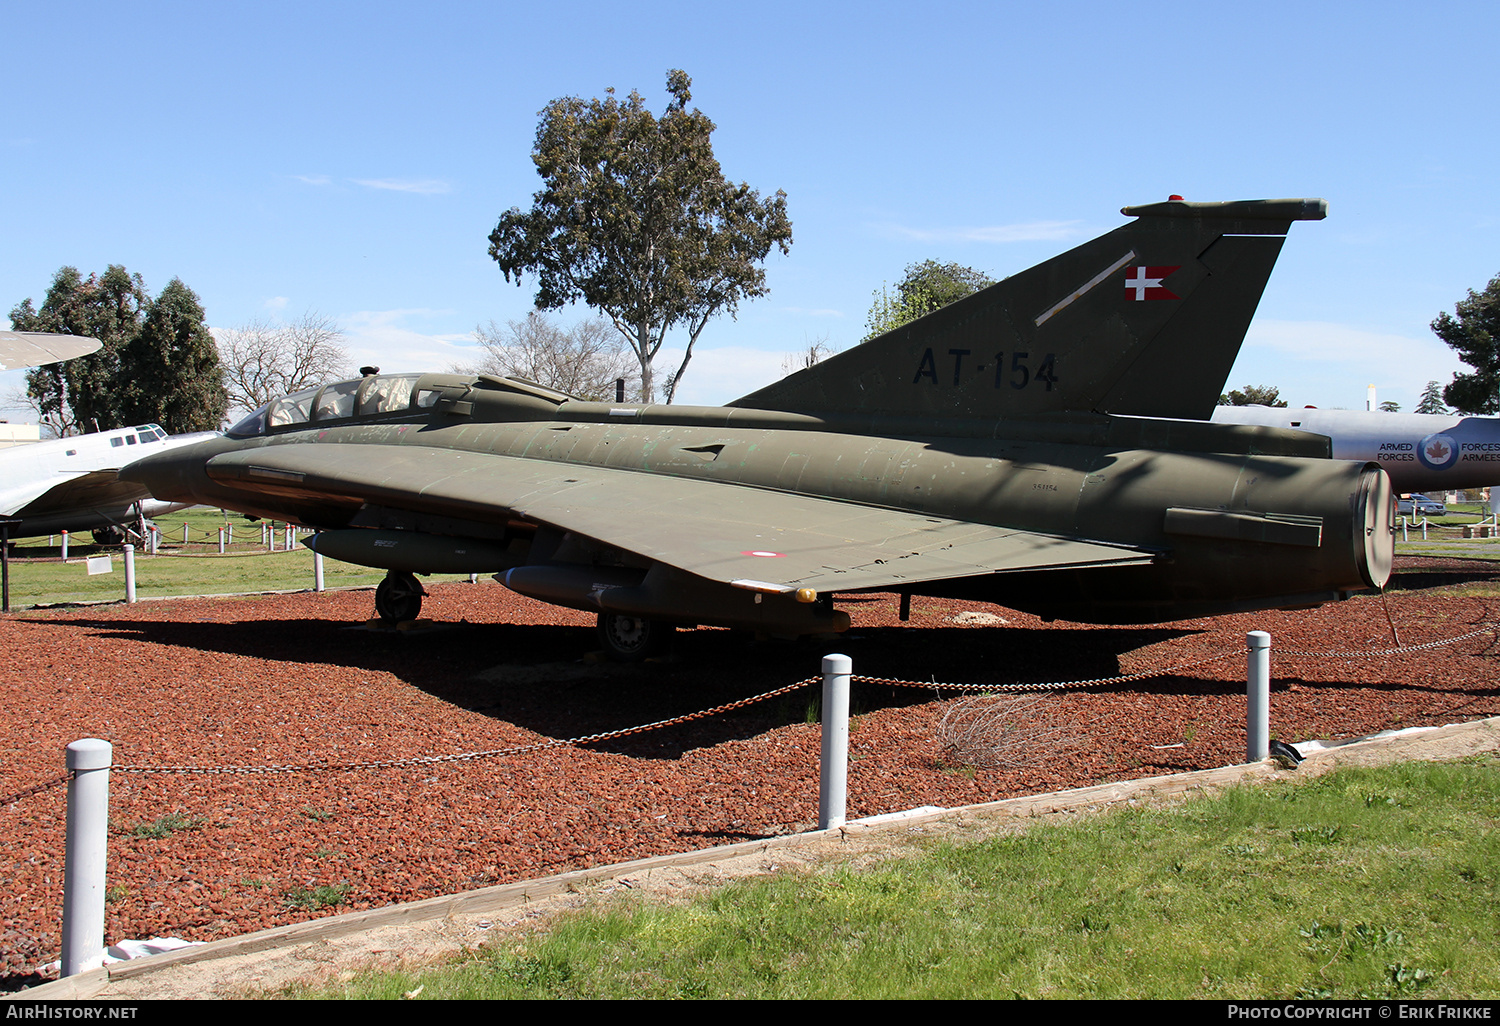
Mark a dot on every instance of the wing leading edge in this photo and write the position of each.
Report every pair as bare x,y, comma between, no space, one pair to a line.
730,533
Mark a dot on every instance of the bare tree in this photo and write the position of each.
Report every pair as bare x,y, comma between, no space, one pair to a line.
583,361
264,361
816,352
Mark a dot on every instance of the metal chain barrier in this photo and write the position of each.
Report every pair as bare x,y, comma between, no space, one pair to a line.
1049,686
1170,670
1390,651
429,760
37,789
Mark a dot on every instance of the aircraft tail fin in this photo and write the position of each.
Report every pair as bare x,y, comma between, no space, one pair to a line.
1145,320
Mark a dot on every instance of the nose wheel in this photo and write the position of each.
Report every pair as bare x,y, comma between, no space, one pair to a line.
629,639
399,597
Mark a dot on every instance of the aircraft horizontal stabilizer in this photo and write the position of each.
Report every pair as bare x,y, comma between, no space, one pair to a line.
38,348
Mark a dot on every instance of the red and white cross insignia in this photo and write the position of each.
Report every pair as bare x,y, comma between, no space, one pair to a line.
1146,283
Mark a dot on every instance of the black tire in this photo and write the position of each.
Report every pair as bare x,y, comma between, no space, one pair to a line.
629,639
109,536
398,598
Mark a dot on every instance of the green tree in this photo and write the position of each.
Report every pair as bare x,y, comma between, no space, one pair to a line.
81,394
1473,331
1253,395
1432,400
136,376
637,220
1390,406
926,287
173,365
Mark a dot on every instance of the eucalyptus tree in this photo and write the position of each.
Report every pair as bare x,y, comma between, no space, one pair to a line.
636,219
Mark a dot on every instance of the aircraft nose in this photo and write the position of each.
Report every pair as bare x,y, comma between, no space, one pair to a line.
170,475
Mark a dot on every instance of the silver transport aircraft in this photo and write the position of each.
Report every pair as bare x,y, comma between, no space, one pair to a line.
1420,451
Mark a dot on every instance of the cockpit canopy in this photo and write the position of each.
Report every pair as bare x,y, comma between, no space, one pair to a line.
368,396
483,397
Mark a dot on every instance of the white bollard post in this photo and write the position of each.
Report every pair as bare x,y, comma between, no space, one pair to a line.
128,551
291,538
229,533
1258,696
184,532
833,785
65,546
221,541
88,761
317,571
473,578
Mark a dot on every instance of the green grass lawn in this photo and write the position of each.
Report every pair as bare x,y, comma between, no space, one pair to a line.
192,569
1361,884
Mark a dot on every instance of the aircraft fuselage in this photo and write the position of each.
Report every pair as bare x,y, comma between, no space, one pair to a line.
1228,528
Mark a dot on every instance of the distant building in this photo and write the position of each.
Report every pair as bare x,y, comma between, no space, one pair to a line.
18,434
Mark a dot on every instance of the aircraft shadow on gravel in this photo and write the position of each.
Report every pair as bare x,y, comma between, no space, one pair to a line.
512,673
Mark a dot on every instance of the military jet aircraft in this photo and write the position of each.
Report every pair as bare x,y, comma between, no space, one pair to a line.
996,449
1418,450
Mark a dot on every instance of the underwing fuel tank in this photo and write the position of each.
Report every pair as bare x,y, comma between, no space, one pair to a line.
412,551
675,597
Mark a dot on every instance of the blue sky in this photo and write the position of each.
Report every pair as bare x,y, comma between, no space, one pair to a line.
352,158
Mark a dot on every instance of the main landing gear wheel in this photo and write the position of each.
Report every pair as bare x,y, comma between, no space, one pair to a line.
399,597
629,639
109,536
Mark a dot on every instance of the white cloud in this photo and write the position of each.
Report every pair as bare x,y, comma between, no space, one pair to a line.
1327,340
1324,363
716,376
314,179
424,186
276,303
1033,231
379,338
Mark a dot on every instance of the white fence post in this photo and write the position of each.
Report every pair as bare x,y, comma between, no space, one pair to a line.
129,552
834,780
65,546
83,872
317,571
1258,696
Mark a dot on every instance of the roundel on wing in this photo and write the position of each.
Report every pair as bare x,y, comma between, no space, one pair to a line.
1437,452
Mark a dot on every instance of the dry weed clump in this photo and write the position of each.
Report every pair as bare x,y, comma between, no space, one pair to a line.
991,731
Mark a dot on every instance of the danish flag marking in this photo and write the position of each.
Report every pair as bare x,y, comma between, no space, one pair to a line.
1146,283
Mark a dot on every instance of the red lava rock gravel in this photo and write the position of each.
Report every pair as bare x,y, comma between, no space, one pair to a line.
296,679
